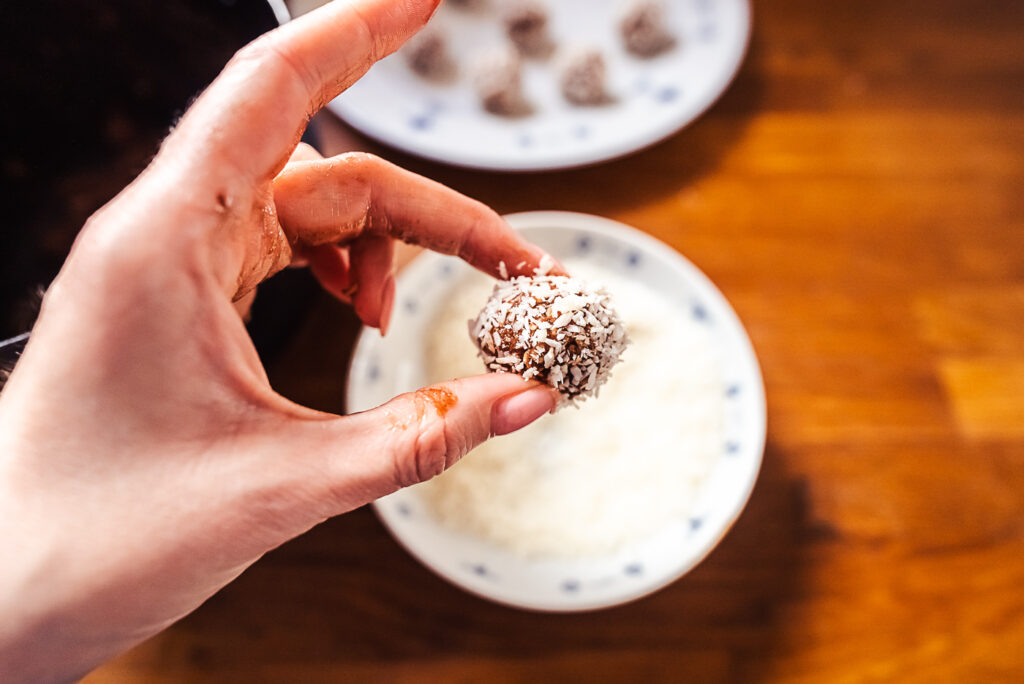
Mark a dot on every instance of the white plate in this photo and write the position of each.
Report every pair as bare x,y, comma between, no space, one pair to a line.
384,367
654,97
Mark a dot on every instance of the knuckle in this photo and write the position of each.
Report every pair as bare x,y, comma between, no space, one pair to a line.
430,450
426,448
362,179
363,161
269,60
366,35
466,241
257,52
115,256
112,245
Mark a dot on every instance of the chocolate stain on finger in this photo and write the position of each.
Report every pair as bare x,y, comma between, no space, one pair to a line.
442,400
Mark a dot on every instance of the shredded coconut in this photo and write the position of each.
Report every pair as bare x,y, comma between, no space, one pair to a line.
547,264
644,30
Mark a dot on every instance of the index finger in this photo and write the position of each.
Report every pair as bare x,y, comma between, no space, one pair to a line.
253,114
336,200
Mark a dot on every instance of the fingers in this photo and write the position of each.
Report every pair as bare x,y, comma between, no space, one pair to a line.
341,198
304,152
372,270
416,436
361,274
244,305
330,266
251,117
434,427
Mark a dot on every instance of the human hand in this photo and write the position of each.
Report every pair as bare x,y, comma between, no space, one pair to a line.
145,461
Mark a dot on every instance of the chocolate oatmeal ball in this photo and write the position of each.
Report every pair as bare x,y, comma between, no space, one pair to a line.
583,76
499,83
556,329
427,55
526,23
644,29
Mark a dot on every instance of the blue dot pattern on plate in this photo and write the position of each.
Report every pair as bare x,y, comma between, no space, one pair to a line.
708,33
633,259
667,94
411,305
570,586
732,391
634,569
480,570
583,245
699,313
420,123
433,120
373,373
403,510
732,447
696,523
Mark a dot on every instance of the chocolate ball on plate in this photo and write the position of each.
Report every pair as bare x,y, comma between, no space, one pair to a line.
583,76
499,83
526,23
427,55
644,29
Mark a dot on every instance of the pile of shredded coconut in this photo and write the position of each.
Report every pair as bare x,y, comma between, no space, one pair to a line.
586,482
556,329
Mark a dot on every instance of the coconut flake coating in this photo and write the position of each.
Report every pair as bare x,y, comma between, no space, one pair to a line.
427,55
499,83
583,77
555,329
644,29
526,23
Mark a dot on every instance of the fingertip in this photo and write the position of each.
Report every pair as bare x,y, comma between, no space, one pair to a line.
372,260
418,435
530,258
529,261
555,267
329,264
367,308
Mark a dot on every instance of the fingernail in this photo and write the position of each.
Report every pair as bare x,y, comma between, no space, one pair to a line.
387,303
519,410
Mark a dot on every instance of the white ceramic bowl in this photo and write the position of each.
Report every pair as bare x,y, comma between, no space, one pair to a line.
384,367
653,98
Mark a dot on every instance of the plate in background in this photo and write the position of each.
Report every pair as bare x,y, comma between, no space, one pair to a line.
655,97
384,367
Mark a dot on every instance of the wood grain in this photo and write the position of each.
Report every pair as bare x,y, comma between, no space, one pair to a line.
858,195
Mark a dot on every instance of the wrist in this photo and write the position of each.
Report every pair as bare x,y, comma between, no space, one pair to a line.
39,641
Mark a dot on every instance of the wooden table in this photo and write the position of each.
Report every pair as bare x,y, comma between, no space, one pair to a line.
858,195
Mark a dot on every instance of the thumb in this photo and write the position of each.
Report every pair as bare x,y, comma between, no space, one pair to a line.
416,436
